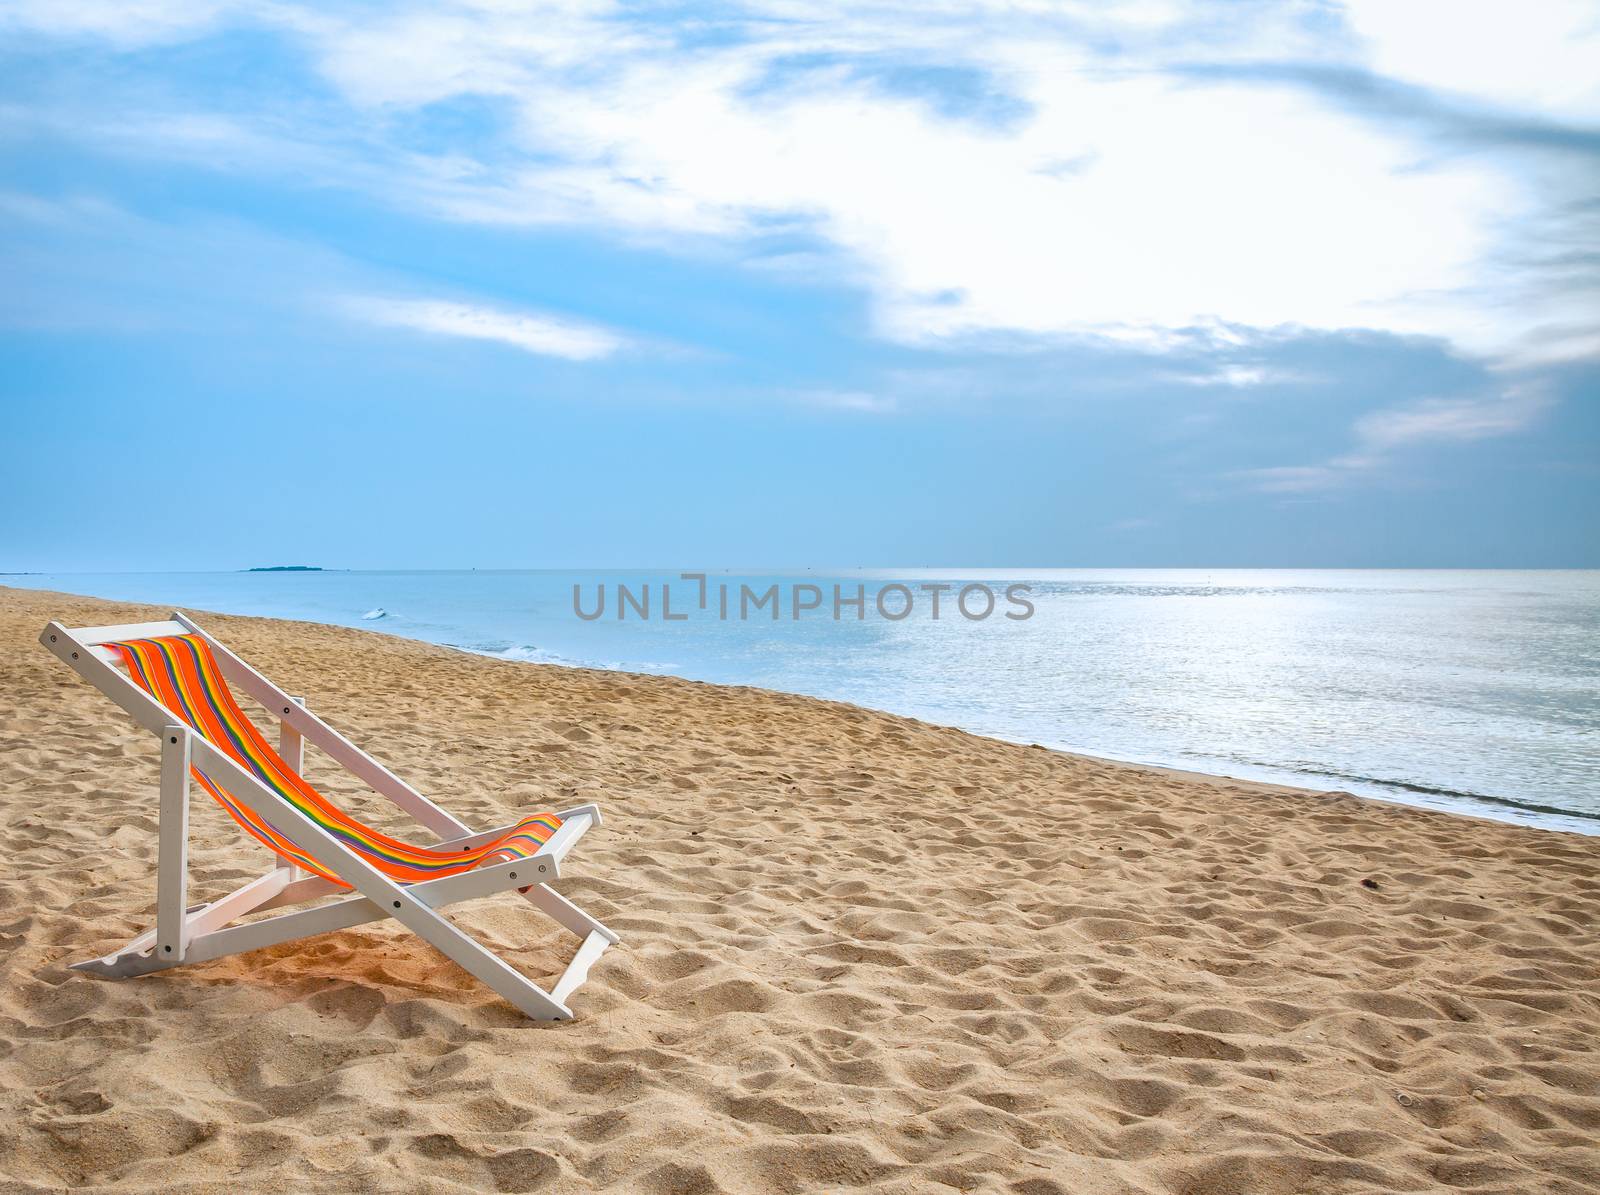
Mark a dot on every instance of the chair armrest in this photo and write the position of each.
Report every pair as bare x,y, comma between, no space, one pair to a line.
468,841
558,844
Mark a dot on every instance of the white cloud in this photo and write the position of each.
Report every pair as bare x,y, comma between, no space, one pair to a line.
545,335
1239,377
77,262
1292,479
1192,201
1538,57
126,22
1452,419
1381,434
1197,202
848,400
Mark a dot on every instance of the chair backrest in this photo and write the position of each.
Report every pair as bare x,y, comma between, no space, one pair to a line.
181,673
98,639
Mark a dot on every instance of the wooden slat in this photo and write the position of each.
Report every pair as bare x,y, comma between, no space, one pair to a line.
558,844
94,636
578,970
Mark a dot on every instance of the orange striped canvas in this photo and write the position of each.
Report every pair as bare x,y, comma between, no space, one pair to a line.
180,672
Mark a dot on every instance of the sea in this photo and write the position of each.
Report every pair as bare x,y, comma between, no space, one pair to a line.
1476,692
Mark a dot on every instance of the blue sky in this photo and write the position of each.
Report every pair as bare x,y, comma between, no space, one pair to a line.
500,285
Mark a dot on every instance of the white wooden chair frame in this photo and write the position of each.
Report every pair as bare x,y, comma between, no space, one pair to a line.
199,933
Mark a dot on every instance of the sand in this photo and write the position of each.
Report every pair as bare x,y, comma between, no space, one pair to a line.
860,953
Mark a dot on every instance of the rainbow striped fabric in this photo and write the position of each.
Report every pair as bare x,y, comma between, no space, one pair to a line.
181,673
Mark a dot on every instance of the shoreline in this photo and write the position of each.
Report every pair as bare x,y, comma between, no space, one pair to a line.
1501,810
1452,804
858,951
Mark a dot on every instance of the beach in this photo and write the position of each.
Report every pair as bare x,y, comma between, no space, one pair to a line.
1473,691
859,952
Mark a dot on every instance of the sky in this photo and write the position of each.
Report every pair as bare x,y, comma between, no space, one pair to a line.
492,284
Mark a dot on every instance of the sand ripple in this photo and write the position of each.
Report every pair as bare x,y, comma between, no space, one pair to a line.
860,953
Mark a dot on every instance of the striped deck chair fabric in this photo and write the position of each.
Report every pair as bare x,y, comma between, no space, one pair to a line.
181,673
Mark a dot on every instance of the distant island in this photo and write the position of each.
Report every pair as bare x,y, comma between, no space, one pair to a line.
287,568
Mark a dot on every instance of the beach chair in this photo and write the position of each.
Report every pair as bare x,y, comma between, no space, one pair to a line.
173,679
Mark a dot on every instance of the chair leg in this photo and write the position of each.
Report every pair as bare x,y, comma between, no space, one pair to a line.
566,914
138,956
292,749
172,878
577,970
198,935
210,941
477,960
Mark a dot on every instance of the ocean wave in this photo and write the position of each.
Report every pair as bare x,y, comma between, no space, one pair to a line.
1420,789
527,653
